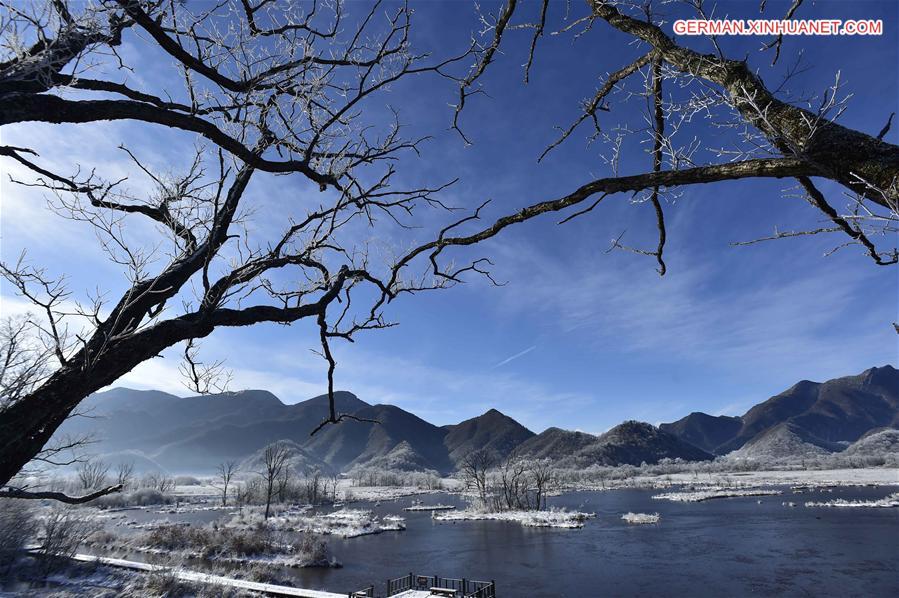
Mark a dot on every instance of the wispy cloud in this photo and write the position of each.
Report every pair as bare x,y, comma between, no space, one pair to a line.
696,315
514,357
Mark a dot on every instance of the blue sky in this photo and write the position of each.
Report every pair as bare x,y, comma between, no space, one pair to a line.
577,338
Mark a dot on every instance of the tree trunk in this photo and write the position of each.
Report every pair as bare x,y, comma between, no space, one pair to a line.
27,424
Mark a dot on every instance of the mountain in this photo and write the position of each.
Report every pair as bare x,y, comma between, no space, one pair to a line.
554,444
299,460
354,443
493,431
875,443
123,418
402,457
157,430
705,431
206,446
634,443
832,413
195,434
786,440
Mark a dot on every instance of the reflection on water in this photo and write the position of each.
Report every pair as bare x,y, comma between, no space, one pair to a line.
726,547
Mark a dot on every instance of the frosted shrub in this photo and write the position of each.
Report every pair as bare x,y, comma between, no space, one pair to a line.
641,518
17,525
62,531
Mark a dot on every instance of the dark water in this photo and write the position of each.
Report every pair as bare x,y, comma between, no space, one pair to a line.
722,547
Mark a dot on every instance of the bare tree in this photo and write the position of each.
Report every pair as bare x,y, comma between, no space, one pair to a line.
284,89
280,89
312,486
331,484
543,480
226,473
474,468
246,492
92,474
23,360
514,484
283,485
511,485
274,461
124,474
158,481
773,138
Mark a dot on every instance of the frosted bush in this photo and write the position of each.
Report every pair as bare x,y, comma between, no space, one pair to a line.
642,518
701,495
552,518
887,502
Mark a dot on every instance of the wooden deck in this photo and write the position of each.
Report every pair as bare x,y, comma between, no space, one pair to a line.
206,578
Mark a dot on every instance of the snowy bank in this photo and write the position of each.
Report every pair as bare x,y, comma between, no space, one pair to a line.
551,518
429,508
890,501
701,495
346,523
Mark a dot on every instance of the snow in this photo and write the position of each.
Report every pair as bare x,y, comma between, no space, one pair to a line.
642,517
879,476
206,578
871,476
701,495
348,490
429,508
551,518
346,523
889,501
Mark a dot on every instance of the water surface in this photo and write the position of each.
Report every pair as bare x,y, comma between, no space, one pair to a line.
721,547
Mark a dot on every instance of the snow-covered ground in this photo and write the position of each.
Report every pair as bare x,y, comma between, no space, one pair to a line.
415,507
880,476
887,502
346,523
347,492
642,518
551,518
204,578
701,495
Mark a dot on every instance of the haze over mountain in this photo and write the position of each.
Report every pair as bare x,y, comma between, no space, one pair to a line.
194,434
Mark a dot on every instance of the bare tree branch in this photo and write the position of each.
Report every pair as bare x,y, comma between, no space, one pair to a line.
58,496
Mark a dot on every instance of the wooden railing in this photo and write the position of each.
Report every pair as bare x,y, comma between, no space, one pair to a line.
464,588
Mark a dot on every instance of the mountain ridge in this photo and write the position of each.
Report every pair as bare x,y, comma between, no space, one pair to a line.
194,434
839,410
